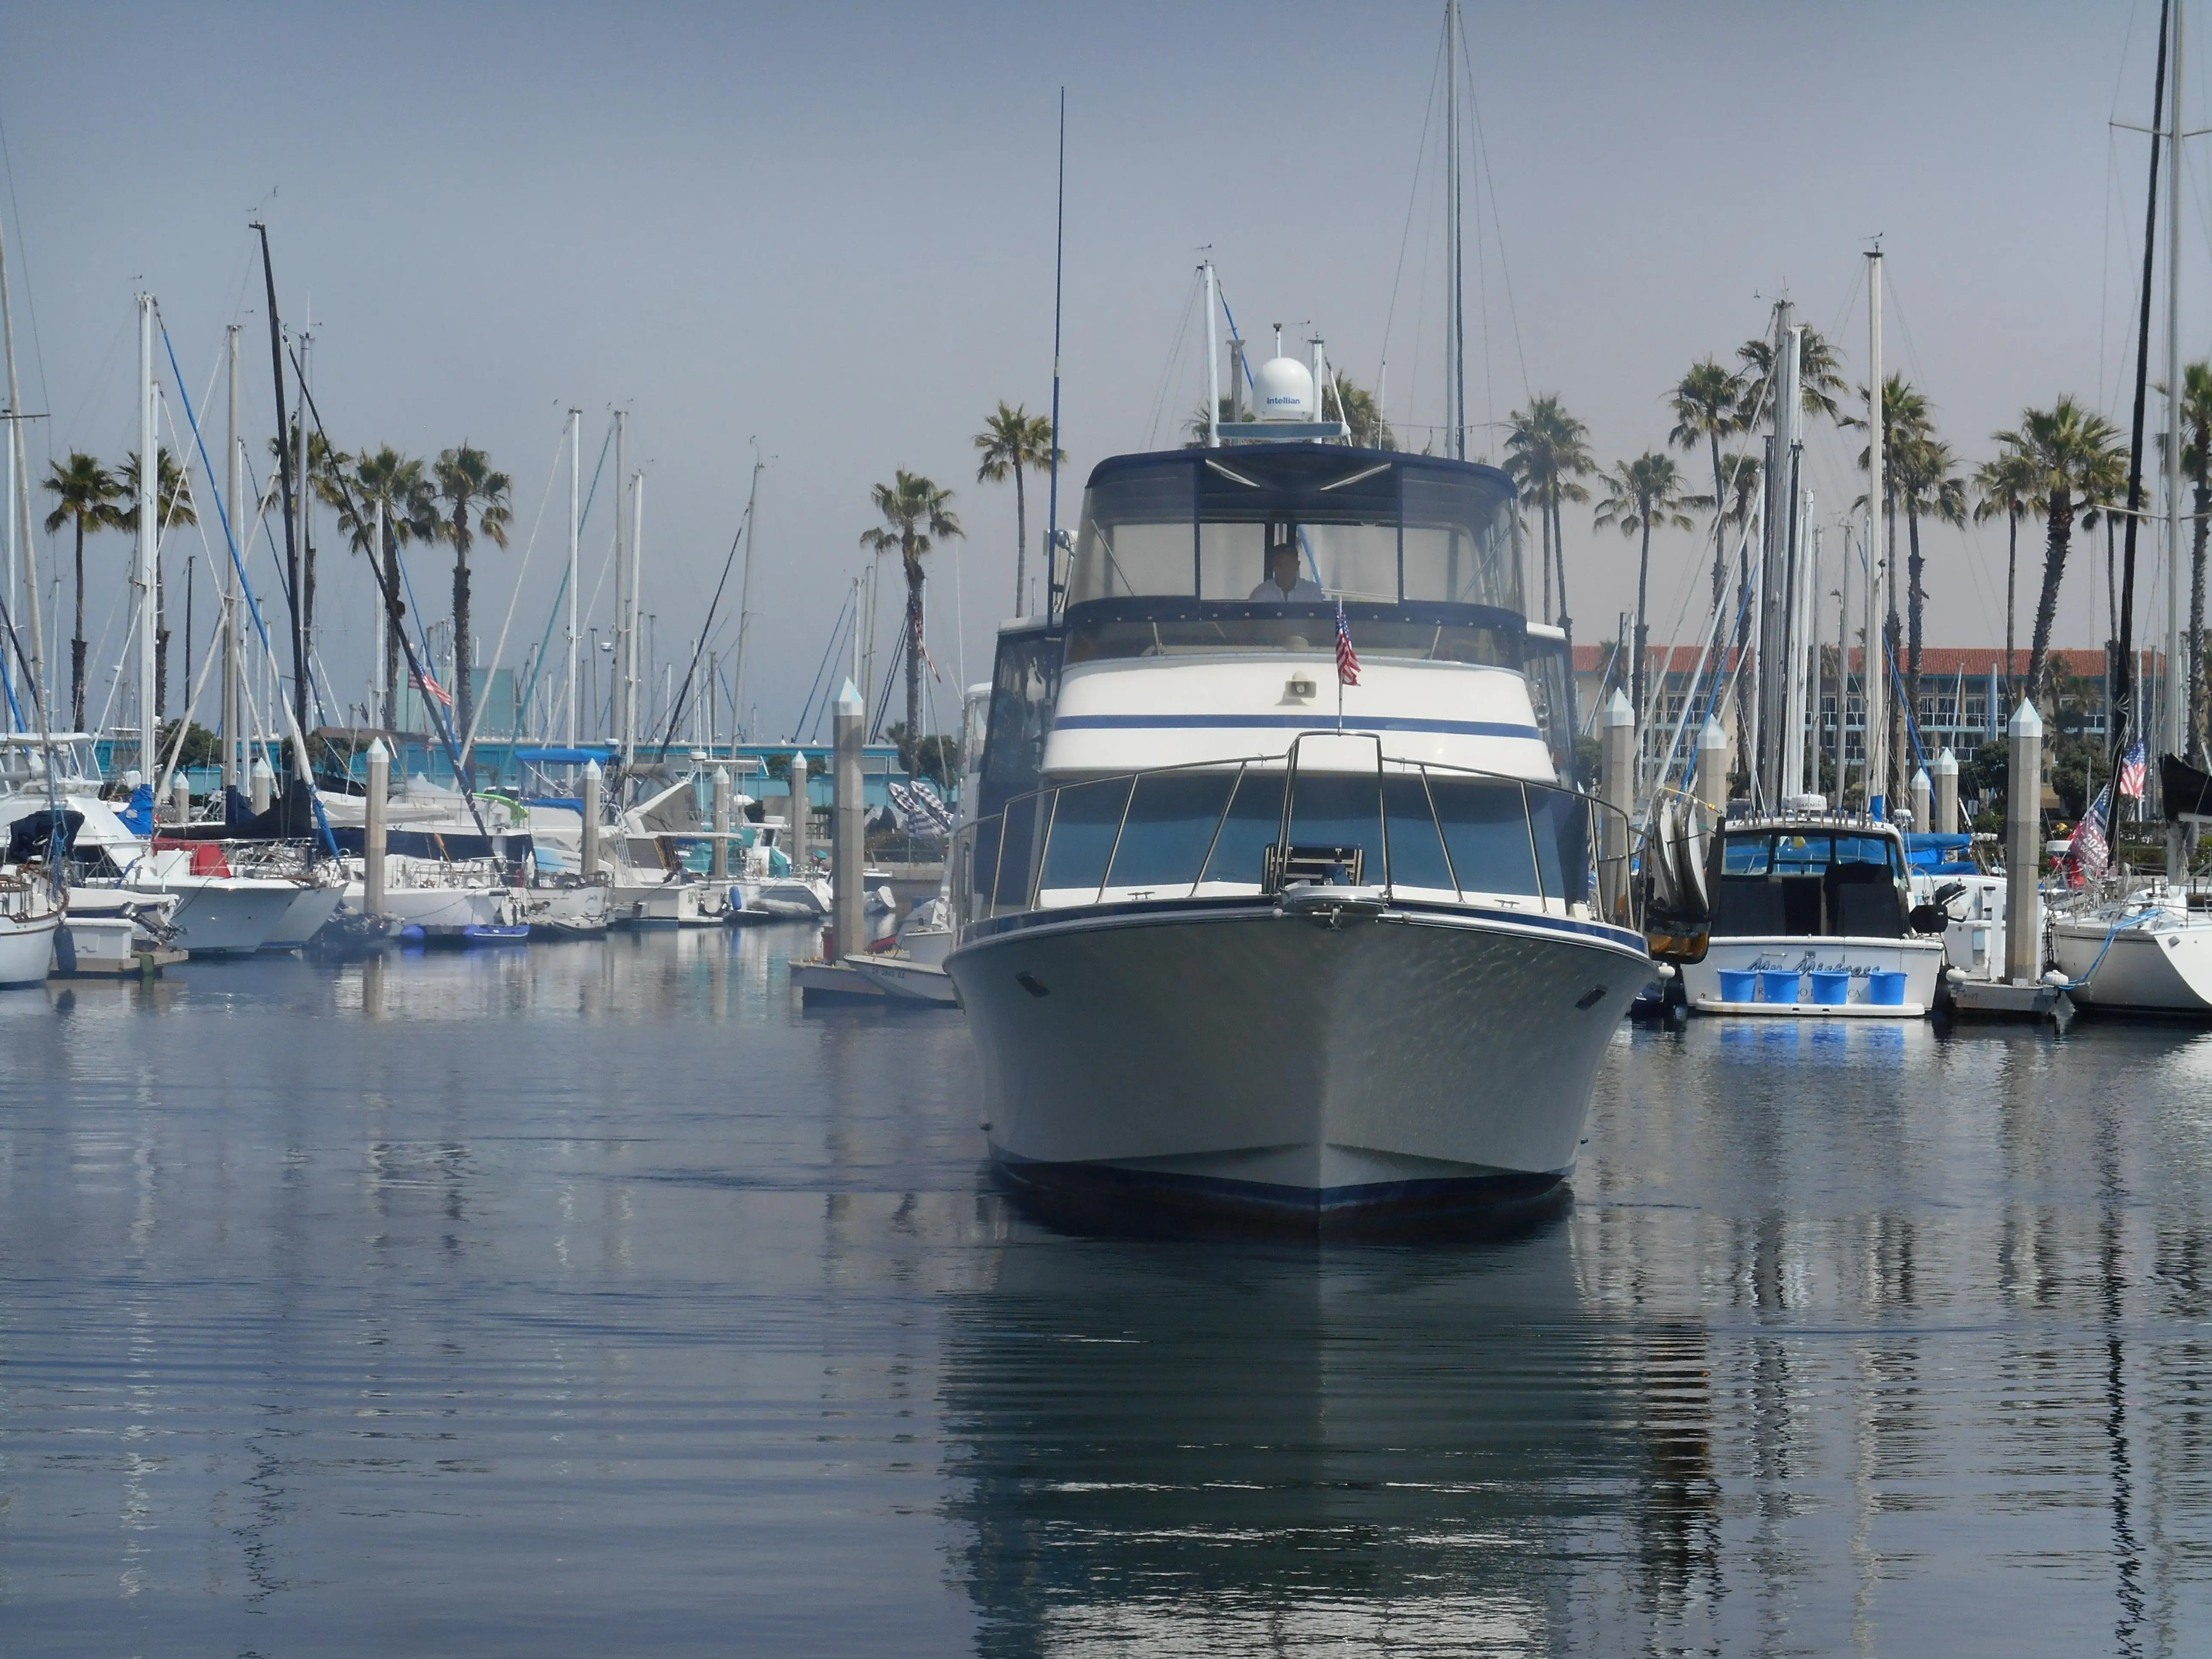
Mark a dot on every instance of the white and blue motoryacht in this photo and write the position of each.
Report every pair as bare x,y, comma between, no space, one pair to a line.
1231,934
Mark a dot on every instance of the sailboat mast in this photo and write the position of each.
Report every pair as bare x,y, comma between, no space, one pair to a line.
284,473
2176,682
149,737
636,574
576,532
234,495
1874,675
745,605
620,724
1456,344
2125,723
19,498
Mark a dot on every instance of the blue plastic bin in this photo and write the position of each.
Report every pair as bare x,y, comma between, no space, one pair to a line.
1738,986
1885,990
1778,987
1831,990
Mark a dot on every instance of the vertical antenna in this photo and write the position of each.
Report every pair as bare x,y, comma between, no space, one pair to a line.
1058,252
1455,390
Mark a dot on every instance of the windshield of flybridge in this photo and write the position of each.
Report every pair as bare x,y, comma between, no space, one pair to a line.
1225,548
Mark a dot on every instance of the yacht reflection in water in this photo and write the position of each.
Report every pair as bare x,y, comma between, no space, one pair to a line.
1178,1449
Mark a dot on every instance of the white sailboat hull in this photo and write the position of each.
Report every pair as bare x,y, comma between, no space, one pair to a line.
26,945
2163,970
437,909
1225,1054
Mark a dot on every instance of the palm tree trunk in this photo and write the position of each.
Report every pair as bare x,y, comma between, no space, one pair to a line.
1720,541
2012,574
913,648
397,611
2202,505
463,694
76,640
1914,599
1643,583
1544,527
1021,544
2059,532
1560,553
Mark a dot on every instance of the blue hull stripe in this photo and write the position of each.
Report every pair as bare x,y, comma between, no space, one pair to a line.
1288,723
1249,907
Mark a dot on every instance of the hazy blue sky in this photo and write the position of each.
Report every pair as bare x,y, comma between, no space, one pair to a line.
830,227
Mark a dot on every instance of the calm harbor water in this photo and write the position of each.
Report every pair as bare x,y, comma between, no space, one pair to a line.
590,1299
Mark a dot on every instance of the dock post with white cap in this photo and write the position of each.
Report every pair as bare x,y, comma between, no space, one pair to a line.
720,868
1713,768
372,831
591,846
1617,789
2024,846
847,824
1924,800
800,811
1946,793
261,781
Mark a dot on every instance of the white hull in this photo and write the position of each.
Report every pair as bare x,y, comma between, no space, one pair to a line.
442,909
1920,960
563,912
668,904
304,918
905,979
2160,969
221,915
26,945
791,898
1227,1055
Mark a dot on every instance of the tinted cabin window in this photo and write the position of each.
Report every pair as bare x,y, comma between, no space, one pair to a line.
1254,820
1417,851
1485,828
1561,822
1171,825
1082,836
1025,683
1341,811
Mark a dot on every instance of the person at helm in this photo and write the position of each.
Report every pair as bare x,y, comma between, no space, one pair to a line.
1283,584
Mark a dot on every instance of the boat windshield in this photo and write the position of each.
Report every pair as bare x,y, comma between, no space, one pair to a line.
1809,883
1367,528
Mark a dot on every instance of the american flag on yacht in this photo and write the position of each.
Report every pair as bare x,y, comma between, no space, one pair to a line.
1347,660
2131,771
2088,851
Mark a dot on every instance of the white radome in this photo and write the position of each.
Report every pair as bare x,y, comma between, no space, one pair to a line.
1283,390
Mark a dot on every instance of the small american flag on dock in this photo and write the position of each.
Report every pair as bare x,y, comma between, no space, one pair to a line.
2131,771
1347,660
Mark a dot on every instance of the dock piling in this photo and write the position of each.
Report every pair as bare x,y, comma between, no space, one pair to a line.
720,866
372,831
2024,846
1617,789
847,822
590,848
1946,793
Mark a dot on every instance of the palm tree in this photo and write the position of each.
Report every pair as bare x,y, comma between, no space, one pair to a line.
1707,403
468,486
1640,495
2197,466
2007,485
1011,441
1928,483
1356,408
1547,451
398,485
917,514
173,504
1820,371
2076,460
89,496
